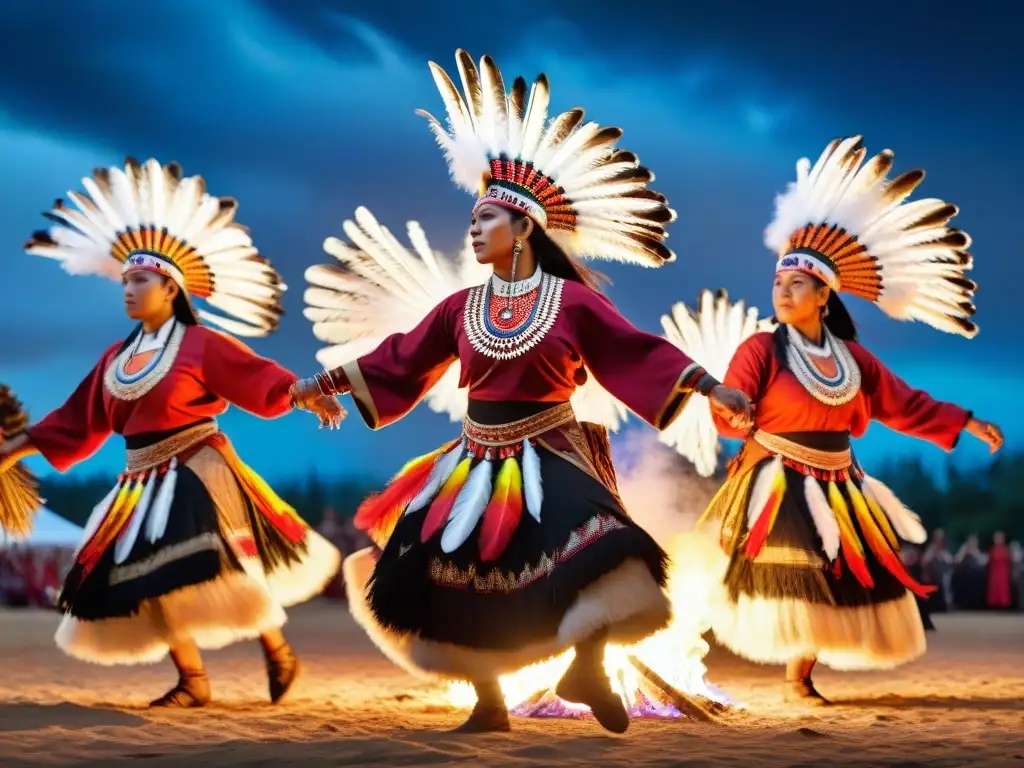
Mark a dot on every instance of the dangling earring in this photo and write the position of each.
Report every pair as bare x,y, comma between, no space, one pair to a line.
506,314
824,311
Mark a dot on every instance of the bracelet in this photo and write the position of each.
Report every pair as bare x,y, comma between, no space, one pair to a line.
325,382
706,383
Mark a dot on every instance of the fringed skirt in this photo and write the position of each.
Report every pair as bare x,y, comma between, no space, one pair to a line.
504,548
190,544
813,548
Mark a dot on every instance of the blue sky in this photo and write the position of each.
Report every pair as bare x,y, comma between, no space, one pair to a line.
304,111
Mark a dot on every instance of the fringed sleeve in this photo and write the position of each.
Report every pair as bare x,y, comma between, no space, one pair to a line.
899,406
388,382
76,430
647,373
235,373
746,371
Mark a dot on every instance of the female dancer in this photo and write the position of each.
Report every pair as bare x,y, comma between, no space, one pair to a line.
191,549
510,544
814,571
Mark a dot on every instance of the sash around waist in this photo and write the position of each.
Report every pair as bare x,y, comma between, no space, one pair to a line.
519,421
153,454
821,450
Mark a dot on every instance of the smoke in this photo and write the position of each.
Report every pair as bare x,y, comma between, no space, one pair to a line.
661,491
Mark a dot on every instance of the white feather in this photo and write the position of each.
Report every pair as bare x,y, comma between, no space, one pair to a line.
468,508
906,523
156,523
533,488
710,335
761,490
823,516
443,468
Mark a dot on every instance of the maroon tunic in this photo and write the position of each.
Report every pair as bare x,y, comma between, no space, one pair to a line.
210,371
647,373
784,406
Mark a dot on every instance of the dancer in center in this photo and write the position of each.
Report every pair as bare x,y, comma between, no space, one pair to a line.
510,544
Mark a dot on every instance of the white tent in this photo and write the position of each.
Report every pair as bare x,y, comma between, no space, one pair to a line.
49,530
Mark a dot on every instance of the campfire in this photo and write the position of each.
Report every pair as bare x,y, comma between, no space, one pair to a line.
662,677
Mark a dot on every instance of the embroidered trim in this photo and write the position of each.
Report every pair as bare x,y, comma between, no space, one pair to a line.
837,390
141,459
497,435
166,556
513,343
132,388
812,457
450,575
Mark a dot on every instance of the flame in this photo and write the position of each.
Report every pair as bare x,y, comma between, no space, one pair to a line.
676,653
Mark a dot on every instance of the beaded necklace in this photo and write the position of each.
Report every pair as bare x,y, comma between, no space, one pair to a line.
830,390
518,321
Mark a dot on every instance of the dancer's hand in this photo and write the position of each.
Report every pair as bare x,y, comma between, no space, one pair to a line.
987,432
732,406
304,393
329,411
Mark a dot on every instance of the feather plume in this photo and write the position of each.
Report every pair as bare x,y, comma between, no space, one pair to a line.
151,207
440,509
19,488
823,516
587,219
902,256
442,470
502,516
907,524
711,334
468,508
533,488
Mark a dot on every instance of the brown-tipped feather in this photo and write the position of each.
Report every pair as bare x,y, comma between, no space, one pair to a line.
518,97
470,82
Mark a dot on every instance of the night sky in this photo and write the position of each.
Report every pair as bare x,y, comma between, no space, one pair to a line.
304,111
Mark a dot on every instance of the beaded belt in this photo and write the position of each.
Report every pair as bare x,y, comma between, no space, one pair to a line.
141,459
496,435
812,457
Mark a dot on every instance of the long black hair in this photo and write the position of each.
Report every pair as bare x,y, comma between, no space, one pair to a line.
184,313
556,262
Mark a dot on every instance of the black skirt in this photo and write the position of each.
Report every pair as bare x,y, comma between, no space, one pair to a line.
522,598
191,551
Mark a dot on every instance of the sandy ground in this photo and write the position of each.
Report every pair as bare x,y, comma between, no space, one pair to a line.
961,705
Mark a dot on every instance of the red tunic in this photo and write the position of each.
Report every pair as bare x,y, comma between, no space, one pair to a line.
648,374
210,371
785,406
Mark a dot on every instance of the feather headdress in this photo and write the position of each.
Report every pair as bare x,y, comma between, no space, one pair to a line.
845,222
711,334
147,216
379,287
591,198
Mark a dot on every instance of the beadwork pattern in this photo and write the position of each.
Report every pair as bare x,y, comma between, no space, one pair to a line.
836,390
506,341
125,387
